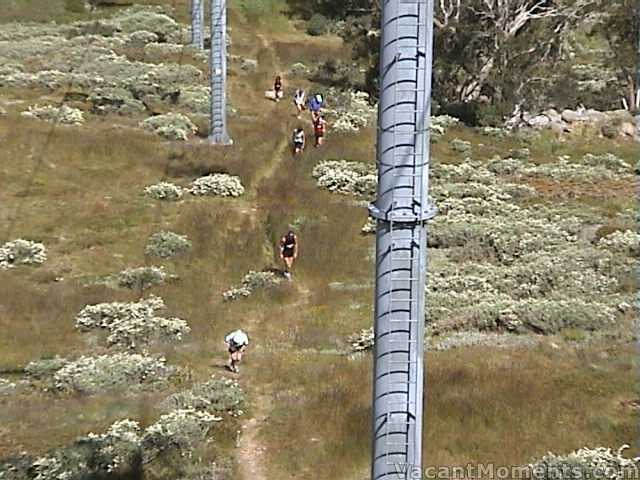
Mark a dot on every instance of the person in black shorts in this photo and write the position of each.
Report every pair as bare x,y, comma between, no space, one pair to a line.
289,251
299,140
277,88
236,343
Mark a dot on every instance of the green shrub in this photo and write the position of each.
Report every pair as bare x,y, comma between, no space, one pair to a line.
587,463
43,368
91,375
317,25
251,282
520,153
218,395
21,252
131,325
172,126
141,278
460,146
167,244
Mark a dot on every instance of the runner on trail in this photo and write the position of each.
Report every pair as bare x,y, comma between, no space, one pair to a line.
277,88
236,342
289,251
319,129
299,140
298,100
316,102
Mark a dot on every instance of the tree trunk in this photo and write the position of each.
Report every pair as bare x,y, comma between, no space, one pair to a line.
471,91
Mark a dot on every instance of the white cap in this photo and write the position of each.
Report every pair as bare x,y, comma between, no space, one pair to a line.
238,337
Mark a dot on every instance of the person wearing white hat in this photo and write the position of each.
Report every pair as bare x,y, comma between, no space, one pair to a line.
236,342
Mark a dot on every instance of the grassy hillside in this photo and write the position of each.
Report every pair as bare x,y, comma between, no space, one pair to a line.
80,191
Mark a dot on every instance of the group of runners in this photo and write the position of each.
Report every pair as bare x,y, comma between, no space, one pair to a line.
315,104
238,340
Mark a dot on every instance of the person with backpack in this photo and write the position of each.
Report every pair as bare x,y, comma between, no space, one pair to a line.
319,129
289,251
298,101
277,88
237,342
316,102
299,140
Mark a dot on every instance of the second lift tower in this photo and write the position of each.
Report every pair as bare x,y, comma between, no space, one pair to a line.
197,24
218,67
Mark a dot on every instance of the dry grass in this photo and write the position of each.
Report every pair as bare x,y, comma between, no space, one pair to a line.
316,51
40,11
29,311
482,406
499,407
66,419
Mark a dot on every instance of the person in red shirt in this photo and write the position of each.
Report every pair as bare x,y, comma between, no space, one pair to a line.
319,130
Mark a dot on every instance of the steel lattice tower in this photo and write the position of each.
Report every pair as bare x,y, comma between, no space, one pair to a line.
218,64
197,23
402,209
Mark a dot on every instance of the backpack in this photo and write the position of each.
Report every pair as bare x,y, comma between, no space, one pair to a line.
314,103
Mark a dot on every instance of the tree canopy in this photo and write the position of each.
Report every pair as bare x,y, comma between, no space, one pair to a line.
498,55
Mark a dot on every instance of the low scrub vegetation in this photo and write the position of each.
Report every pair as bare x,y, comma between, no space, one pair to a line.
217,185
588,462
164,191
524,268
132,325
218,395
21,252
89,375
172,126
167,245
126,447
63,115
141,278
251,282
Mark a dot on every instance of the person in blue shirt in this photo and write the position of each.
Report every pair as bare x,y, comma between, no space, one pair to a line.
316,102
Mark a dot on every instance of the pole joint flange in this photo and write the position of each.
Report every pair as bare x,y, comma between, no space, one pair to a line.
399,216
